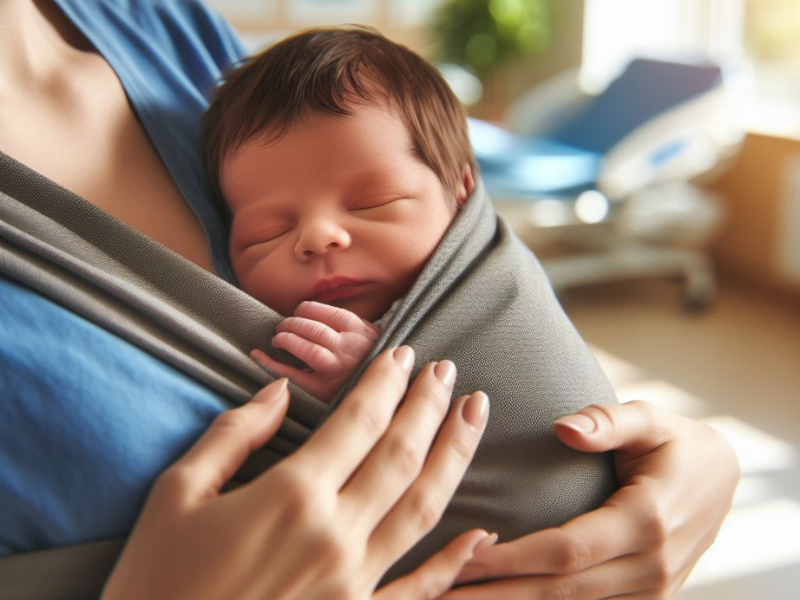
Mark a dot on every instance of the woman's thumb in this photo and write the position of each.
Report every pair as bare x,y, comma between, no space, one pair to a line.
603,427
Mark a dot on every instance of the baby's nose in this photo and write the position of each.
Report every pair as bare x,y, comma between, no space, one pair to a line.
320,237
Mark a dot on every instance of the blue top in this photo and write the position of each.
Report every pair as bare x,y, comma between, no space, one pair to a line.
87,420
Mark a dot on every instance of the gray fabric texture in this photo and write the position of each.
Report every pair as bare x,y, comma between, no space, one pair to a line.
482,301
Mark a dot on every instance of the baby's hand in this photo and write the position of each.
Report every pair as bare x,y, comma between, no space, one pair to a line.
331,341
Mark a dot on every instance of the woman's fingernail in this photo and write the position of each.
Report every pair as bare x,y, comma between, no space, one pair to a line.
273,392
486,542
478,543
579,423
404,355
445,371
476,410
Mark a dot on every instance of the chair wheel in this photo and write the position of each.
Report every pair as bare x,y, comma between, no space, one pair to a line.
694,305
698,295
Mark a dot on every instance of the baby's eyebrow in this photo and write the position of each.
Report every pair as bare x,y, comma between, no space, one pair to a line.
255,217
263,206
381,178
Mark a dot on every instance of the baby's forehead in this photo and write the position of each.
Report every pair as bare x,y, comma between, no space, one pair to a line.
309,124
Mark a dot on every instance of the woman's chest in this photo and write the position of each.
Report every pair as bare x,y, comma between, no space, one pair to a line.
85,136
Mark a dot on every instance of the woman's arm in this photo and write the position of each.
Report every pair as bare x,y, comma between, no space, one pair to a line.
677,481
328,521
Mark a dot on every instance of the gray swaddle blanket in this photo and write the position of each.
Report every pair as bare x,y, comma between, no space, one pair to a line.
482,301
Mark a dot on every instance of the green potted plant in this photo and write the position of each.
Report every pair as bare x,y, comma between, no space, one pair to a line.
487,36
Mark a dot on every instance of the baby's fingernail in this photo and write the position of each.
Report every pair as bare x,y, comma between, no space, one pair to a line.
445,371
404,355
476,410
579,423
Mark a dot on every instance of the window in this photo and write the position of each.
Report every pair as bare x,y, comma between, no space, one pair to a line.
772,42
757,39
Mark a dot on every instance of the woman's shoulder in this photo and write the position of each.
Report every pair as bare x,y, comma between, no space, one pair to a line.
149,11
181,27
192,17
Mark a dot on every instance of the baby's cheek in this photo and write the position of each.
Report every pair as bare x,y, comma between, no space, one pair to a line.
277,288
253,278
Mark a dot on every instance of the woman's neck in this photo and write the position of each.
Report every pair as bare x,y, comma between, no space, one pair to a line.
36,39
57,95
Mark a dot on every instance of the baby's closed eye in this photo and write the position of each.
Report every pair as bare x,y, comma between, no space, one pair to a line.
374,201
263,233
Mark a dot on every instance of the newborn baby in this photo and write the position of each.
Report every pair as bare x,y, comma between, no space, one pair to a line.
338,189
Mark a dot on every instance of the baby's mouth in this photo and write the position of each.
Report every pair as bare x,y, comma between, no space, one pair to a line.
338,289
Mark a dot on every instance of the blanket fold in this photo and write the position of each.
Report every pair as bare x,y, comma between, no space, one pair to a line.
482,301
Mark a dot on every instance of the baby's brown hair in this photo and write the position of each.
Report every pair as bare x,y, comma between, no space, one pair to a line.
324,71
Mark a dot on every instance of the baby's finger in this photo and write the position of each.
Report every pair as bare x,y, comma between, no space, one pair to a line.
319,358
421,507
307,381
274,366
232,437
437,574
314,331
339,319
352,431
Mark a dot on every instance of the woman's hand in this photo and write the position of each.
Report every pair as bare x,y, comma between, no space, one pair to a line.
677,481
326,522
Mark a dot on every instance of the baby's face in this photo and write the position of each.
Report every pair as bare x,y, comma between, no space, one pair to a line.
338,211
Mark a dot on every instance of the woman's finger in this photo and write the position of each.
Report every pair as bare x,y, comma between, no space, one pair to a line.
338,319
437,574
620,578
314,331
399,457
421,507
354,428
231,438
577,545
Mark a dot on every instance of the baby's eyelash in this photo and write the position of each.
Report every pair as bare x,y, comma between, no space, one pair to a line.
364,205
269,235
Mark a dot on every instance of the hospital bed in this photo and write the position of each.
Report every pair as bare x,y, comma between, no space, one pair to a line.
614,176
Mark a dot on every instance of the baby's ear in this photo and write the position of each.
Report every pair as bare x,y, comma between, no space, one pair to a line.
465,187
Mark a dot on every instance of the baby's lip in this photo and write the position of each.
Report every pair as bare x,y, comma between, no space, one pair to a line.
330,290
